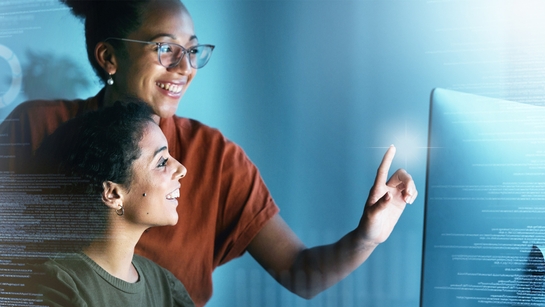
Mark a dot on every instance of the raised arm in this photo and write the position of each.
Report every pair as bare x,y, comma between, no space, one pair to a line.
308,271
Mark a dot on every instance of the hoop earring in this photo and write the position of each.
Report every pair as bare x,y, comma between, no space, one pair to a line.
120,211
110,81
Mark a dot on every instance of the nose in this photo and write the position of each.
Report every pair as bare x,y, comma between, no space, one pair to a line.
184,67
180,172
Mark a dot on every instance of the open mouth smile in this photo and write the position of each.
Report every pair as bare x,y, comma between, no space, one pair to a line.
174,194
171,87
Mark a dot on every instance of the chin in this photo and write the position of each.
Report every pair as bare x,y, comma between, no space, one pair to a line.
173,221
166,112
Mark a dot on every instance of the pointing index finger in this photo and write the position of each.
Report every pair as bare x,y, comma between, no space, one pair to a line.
384,167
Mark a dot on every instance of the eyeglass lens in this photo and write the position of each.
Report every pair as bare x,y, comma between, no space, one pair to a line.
171,54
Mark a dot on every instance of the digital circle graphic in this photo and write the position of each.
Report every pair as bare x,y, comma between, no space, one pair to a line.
16,76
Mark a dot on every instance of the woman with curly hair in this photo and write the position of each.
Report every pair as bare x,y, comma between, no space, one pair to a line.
120,180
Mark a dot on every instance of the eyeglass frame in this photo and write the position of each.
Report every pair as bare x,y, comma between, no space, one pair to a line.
185,51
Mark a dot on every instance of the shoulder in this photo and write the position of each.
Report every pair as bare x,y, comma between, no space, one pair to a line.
161,279
64,268
192,138
155,272
57,283
191,129
41,108
144,262
151,269
31,121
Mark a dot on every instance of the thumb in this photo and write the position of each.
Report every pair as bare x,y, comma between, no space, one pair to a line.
381,202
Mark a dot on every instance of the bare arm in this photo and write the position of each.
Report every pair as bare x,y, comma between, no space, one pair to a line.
308,271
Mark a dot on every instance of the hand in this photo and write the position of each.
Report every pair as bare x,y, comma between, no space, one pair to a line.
386,201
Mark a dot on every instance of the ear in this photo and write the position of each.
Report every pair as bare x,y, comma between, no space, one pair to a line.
112,195
105,56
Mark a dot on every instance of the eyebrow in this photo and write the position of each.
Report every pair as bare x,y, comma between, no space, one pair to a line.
171,36
159,150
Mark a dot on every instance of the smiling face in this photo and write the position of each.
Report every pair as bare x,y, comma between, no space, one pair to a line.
158,175
139,72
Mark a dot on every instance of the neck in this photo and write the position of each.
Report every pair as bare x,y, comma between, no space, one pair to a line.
110,96
114,254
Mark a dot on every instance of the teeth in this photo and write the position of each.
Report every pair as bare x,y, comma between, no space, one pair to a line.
174,195
170,87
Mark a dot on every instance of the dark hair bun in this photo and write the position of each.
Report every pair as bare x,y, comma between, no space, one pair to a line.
81,8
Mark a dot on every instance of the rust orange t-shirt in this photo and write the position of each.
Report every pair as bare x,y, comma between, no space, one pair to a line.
223,200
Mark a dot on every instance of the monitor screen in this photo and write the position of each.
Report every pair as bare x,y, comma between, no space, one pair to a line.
484,228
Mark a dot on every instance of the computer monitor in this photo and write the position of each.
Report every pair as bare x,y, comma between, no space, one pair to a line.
484,224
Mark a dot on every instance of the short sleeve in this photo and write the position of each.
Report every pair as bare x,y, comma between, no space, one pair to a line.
248,203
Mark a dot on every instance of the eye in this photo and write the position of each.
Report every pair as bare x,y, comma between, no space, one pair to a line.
162,162
165,48
195,50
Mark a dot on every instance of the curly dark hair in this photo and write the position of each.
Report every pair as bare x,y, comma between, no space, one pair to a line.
87,151
99,145
107,18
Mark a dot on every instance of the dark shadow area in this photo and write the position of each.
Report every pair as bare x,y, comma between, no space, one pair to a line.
530,284
536,273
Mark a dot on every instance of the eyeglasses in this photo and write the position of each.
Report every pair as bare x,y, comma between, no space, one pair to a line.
171,54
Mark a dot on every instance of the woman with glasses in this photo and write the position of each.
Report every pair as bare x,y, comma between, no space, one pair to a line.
118,181
149,49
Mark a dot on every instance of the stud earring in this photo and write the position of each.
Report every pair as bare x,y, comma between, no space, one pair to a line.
144,195
110,81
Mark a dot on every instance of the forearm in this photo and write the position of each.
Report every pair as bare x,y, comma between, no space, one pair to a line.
318,268
309,271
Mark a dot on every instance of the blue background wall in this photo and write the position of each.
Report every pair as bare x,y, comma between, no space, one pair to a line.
314,91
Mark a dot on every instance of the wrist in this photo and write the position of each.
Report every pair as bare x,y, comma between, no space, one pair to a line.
362,241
